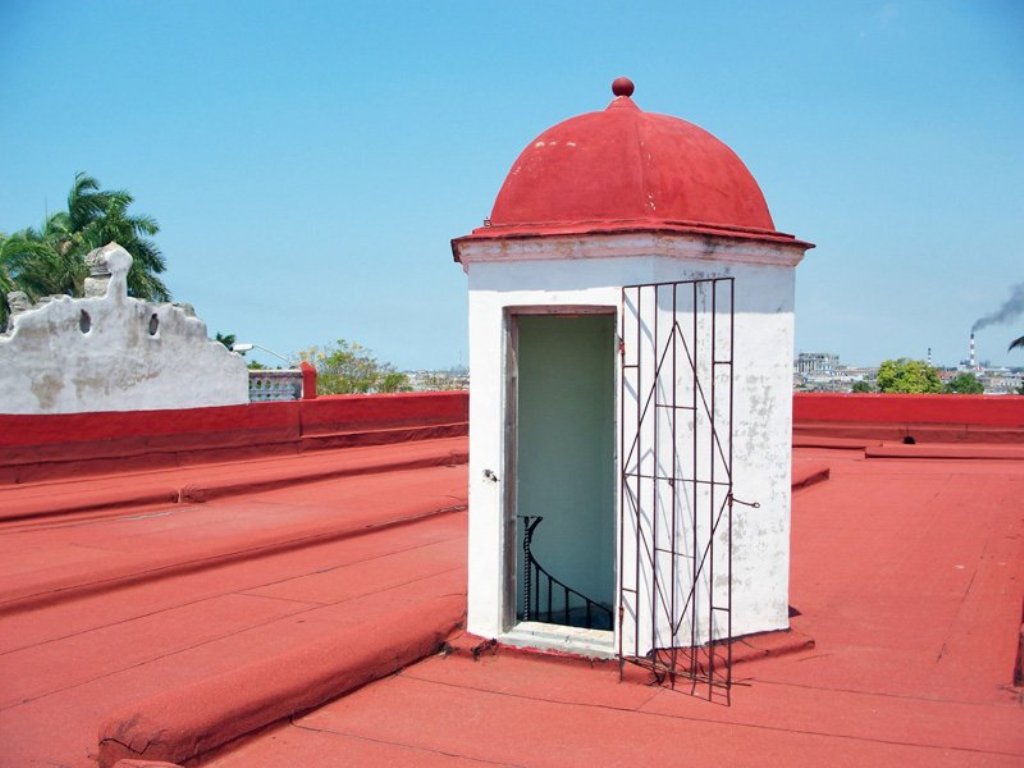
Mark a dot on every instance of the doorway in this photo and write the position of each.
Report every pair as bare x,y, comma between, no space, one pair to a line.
562,434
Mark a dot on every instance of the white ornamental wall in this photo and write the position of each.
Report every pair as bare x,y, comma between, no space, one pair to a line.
575,272
111,352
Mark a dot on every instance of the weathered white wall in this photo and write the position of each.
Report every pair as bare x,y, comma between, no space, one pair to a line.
592,271
110,352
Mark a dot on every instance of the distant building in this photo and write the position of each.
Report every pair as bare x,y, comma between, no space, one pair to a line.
822,372
441,380
816,362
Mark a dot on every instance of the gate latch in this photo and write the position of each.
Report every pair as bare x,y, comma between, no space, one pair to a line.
751,504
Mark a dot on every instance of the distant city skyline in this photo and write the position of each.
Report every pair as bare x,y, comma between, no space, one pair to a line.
826,372
309,163
1011,361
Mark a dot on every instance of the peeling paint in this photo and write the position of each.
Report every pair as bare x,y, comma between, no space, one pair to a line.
45,389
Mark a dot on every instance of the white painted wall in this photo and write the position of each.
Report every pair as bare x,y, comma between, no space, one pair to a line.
98,354
591,271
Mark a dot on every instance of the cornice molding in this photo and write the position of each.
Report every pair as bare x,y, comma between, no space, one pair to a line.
687,247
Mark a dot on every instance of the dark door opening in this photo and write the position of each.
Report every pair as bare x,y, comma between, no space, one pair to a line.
565,468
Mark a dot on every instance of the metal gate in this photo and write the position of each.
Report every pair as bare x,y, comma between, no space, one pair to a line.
675,506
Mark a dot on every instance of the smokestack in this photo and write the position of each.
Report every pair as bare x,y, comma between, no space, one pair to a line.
972,361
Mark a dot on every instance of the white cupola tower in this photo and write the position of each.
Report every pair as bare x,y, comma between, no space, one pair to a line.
631,347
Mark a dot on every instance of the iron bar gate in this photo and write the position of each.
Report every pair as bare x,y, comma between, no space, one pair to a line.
676,453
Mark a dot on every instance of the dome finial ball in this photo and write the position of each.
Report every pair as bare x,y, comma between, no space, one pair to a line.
622,86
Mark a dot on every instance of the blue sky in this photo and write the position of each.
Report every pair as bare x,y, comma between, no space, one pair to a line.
308,162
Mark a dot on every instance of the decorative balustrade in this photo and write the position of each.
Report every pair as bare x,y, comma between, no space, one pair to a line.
266,386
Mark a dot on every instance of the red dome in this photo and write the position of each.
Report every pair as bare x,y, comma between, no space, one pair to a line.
624,169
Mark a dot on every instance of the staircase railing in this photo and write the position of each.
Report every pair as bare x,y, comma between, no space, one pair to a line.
548,600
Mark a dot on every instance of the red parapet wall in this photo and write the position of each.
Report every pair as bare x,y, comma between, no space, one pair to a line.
987,410
17,430
37,447
337,413
932,418
52,445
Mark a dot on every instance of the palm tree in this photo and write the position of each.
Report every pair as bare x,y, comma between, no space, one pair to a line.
43,263
102,217
51,260
1017,343
30,262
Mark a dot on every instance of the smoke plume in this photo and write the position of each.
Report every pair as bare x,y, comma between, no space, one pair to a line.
1011,308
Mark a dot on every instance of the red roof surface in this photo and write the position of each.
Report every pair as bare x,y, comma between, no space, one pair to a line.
907,575
167,630
623,169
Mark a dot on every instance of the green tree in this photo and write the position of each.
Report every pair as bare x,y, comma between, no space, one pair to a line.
36,264
965,384
345,368
862,386
96,217
51,259
905,376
